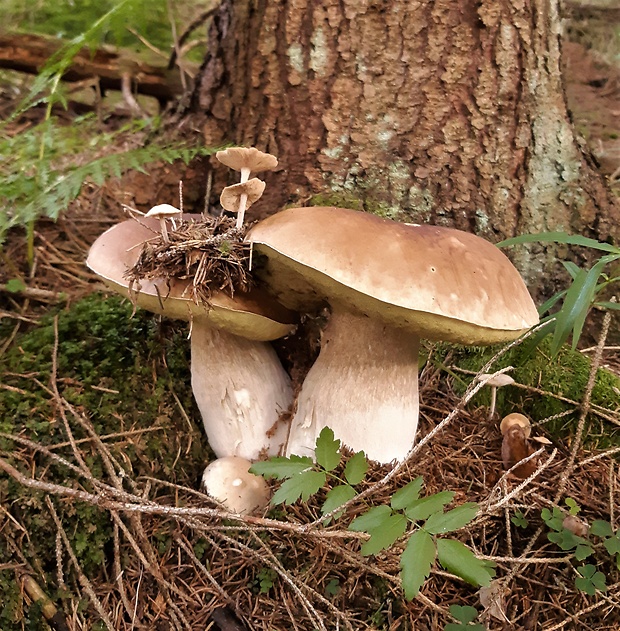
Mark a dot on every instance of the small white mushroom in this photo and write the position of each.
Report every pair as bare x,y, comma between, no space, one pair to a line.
229,481
163,212
495,381
246,160
239,197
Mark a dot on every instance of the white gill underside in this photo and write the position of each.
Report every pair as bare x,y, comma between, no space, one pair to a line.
241,389
364,386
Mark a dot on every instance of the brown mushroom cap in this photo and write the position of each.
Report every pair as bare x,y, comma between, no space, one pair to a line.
516,420
437,282
252,315
231,195
247,158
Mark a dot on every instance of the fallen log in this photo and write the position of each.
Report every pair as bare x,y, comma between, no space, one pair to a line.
113,67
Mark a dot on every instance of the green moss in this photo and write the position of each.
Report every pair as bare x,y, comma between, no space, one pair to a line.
565,376
341,199
118,370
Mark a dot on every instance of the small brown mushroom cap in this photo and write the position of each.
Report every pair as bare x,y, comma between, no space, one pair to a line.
229,481
163,210
516,420
231,195
252,315
247,158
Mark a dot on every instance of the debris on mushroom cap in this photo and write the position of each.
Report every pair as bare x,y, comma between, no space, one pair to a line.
163,210
229,481
247,158
252,315
516,420
231,195
496,380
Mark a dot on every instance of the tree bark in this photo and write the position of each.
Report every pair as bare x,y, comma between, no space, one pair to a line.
445,112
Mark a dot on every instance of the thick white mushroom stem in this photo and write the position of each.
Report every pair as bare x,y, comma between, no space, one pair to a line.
364,386
241,390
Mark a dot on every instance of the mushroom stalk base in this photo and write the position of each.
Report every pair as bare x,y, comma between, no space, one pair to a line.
364,386
241,390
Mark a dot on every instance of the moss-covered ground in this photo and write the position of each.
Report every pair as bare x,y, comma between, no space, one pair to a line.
548,381
129,375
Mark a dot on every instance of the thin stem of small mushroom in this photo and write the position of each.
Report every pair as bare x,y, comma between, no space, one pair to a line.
164,230
241,212
241,390
364,386
493,402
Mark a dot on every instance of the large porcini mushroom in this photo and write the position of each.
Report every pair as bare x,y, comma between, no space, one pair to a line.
230,482
246,160
238,382
387,285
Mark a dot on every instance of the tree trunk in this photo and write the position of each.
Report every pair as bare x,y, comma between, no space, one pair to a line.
446,112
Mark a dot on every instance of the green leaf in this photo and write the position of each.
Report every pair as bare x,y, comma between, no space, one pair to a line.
463,614
601,528
577,302
409,493
416,562
356,467
425,507
454,519
384,536
612,545
327,450
574,508
554,520
280,467
302,485
457,558
15,285
583,551
571,268
612,306
566,539
337,497
559,237
590,580
519,520
372,518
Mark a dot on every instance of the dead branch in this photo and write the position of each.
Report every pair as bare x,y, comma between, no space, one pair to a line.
26,52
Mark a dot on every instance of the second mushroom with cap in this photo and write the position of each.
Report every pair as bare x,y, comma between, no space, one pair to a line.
239,384
387,285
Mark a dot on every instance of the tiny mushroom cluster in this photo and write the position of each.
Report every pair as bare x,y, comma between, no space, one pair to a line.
239,197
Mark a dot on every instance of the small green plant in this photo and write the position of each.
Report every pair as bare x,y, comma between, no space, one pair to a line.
423,520
583,293
465,616
265,579
519,520
590,579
